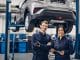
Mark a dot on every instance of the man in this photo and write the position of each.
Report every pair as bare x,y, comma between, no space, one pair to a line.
41,43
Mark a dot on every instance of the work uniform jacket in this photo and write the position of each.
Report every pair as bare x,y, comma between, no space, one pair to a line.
40,53
64,44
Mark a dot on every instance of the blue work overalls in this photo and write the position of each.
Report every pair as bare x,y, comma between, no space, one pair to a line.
41,53
64,44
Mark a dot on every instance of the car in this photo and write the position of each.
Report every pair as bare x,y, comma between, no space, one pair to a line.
56,12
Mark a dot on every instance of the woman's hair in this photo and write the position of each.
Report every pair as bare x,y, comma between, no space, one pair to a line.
60,26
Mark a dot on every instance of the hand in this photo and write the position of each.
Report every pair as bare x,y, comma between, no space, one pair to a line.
61,52
52,50
37,44
49,44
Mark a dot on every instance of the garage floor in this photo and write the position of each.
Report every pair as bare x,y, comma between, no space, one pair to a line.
27,56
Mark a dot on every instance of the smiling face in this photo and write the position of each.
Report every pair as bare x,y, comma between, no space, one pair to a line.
60,31
44,26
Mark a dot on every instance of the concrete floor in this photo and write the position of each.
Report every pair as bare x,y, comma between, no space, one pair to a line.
18,56
27,56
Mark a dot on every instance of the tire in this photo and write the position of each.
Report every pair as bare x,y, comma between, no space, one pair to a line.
30,28
69,28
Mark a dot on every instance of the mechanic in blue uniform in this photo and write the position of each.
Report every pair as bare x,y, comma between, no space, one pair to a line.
62,47
41,43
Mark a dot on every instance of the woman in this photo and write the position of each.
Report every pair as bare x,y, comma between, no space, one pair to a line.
62,47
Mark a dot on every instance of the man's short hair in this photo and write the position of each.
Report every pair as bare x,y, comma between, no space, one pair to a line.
45,21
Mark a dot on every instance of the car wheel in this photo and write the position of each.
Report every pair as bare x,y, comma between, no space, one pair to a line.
28,26
69,27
